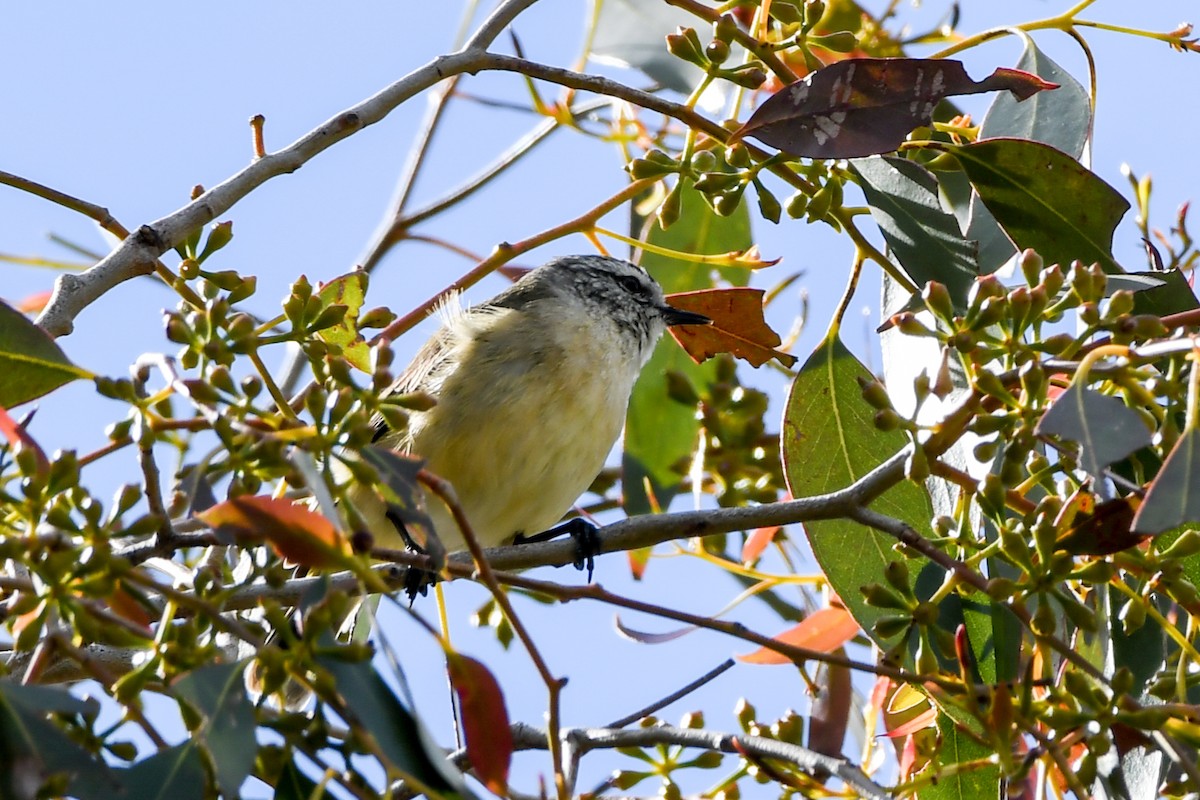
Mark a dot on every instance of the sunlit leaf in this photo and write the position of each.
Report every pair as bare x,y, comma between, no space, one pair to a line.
348,290
18,438
294,531
824,630
866,106
1106,429
31,363
1044,199
957,747
484,720
1061,119
757,542
738,326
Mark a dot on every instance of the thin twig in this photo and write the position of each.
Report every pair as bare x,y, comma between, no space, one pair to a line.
707,677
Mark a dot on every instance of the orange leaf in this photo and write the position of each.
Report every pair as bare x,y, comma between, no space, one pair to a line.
757,542
824,631
738,326
125,604
295,532
485,721
33,303
18,437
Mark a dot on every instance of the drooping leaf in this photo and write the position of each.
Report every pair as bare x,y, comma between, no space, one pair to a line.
659,432
401,743
32,749
631,33
866,106
824,630
19,438
1174,495
1061,119
218,694
756,543
1044,199
292,784
1173,296
925,239
738,326
176,773
348,290
484,719
398,472
643,637
829,441
295,532
830,715
31,363
1106,429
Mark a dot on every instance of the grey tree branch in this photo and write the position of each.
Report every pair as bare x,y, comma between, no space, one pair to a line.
582,740
137,253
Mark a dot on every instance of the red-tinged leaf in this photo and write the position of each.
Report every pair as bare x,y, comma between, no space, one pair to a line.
824,631
831,711
295,532
19,438
866,106
485,721
126,604
923,720
34,303
738,326
908,758
638,561
641,637
757,542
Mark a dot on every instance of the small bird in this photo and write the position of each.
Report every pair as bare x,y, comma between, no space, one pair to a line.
532,389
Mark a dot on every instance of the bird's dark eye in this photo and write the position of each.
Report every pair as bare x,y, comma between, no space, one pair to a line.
631,285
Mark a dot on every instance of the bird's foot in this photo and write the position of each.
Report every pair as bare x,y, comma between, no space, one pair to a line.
582,531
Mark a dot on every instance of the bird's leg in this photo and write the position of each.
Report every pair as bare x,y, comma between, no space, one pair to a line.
582,531
416,581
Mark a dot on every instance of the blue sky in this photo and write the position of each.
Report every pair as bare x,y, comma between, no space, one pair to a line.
130,105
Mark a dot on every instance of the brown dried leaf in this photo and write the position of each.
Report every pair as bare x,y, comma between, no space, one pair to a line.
295,532
738,326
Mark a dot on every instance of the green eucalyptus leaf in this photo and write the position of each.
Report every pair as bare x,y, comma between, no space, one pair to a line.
829,442
31,363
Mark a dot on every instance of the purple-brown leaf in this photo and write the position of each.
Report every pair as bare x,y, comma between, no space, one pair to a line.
866,106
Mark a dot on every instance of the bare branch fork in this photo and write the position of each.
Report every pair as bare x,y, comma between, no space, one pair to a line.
136,255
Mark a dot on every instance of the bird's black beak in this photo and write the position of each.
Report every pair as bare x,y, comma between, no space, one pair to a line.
677,316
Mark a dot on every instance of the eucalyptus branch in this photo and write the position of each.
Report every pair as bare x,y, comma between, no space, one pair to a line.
138,252
526,737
